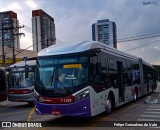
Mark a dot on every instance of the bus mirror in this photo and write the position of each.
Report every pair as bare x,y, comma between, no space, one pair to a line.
26,71
98,68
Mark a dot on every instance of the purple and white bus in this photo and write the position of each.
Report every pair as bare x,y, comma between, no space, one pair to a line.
88,78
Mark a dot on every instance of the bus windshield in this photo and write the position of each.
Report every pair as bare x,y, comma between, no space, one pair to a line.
61,76
17,78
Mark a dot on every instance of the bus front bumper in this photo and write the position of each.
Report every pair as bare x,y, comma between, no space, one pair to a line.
21,97
79,108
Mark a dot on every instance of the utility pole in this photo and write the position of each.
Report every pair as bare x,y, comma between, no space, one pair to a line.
3,56
9,29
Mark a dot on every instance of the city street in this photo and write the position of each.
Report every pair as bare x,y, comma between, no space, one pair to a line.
73,58
145,109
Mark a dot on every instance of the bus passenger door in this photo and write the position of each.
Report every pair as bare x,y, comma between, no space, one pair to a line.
120,80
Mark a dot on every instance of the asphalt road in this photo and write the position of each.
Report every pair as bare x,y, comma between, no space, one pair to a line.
145,109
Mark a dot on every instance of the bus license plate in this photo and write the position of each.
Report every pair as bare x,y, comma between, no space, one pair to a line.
56,112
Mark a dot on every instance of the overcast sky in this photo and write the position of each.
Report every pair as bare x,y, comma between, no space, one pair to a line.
73,20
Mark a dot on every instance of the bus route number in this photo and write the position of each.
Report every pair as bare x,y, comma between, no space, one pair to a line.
66,100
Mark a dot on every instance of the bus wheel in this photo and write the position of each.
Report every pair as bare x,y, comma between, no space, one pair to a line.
109,105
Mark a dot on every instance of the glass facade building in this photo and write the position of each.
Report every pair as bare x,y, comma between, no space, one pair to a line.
8,24
105,31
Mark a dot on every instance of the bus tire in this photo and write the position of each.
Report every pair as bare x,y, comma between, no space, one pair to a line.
135,94
110,103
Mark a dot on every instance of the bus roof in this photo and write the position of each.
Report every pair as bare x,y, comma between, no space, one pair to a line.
22,63
74,47
147,64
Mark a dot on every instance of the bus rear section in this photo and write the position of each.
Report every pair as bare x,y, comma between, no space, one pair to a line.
20,87
3,85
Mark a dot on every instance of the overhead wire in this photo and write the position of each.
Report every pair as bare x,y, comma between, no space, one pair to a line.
122,40
142,45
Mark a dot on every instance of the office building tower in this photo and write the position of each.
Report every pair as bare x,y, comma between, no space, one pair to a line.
8,29
43,30
105,32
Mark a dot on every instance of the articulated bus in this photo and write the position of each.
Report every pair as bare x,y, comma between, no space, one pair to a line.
88,78
20,87
3,84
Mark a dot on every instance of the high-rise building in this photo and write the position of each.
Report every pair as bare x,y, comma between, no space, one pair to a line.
43,30
8,24
105,31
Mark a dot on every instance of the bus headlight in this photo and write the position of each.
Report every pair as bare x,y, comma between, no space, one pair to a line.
82,95
38,97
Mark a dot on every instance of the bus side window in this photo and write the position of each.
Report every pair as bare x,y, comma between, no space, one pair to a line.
99,83
113,80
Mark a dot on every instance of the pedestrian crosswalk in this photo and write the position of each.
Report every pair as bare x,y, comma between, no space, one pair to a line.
151,114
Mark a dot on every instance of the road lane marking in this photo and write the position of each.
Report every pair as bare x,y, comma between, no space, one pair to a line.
102,119
155,106
30,114
152,112
150,116
148,98
153,109
147,120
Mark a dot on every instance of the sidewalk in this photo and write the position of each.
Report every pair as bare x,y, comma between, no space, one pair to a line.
155,97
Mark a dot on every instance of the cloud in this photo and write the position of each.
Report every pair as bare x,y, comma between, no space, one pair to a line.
24,14
26,42
157,48
12,6
132,19
73,20
32,4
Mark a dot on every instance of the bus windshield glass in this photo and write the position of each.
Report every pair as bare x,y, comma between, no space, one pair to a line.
17,78
61,76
